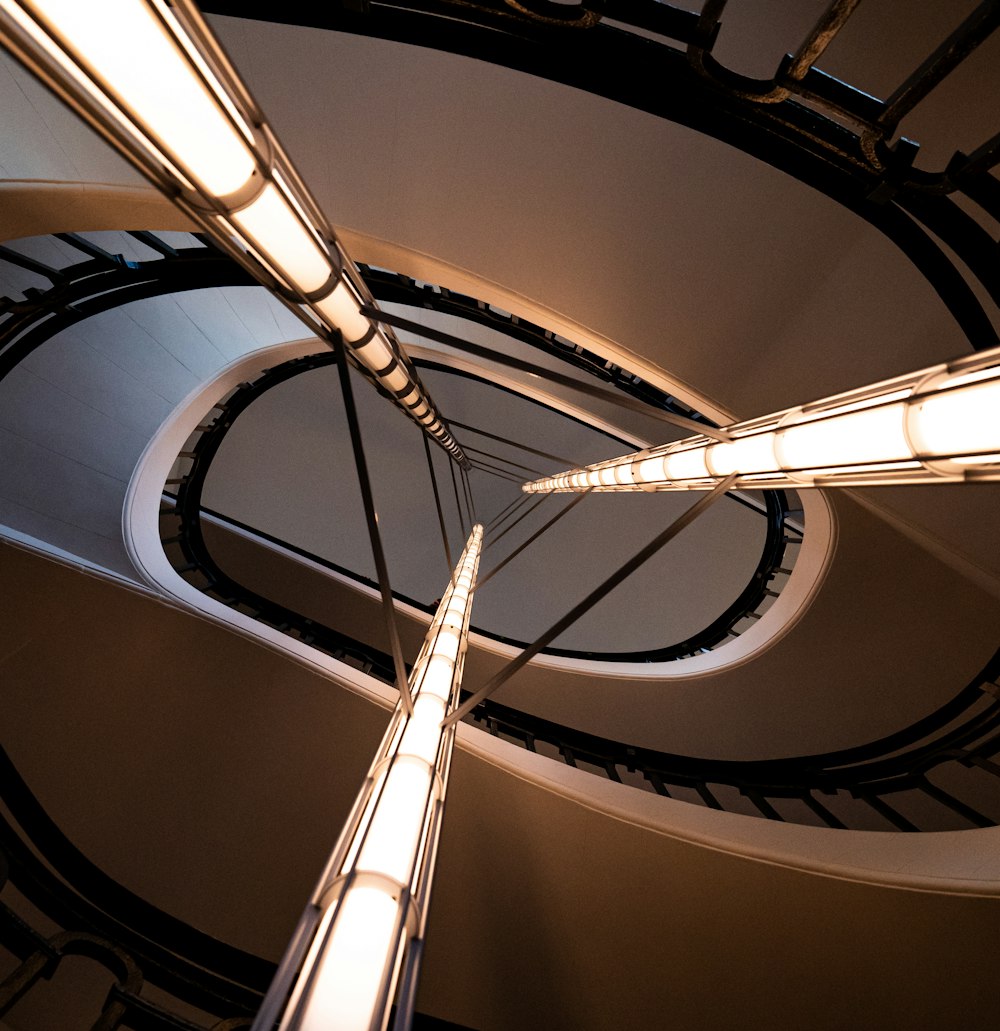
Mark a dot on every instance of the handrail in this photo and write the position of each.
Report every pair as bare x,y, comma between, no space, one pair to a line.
99,284
964,731
794,121
874,771
551,40
769,575
105,281
137,942
397,288
70,890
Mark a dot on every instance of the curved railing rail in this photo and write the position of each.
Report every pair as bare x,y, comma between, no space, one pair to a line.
889,776
396,288
765,583
103,920
139,944
884,784
105,280
828,133
99,283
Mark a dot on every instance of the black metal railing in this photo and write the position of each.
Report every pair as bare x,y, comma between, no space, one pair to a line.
165,974
891,776
100,919
101,282
396,288
107,280
193,557
828,133
899,782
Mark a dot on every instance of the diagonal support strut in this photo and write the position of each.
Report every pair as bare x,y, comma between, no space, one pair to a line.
500,678
382,571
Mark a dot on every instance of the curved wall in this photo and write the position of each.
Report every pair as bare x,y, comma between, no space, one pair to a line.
891,635
77,412
183,760
711,919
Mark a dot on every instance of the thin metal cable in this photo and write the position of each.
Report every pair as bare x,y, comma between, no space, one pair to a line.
458,504
531,540
514,443
523,515
500,458
500,678
361,465
440,512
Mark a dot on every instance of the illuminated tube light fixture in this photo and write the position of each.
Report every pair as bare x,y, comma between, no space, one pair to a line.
150,77
938,425
358,939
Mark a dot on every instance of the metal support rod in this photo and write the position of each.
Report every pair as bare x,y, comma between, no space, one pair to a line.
951,52
153,242
490,467
523,515
458,504
437,504
510,476
469,496
679,524
382,571
621,400
85,246
498,475
531,540
512,443
53,275
499,458
498,517
511,509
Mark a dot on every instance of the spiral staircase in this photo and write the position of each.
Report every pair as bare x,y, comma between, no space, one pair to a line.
787,820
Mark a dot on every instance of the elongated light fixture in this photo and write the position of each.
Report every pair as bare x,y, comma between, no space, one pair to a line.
938,425
365,920
152,79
